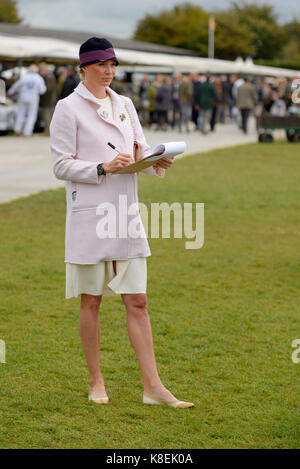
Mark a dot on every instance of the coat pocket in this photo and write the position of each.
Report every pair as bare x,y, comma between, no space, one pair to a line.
74,192
84,196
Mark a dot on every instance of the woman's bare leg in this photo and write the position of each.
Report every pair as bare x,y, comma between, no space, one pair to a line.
89,329
140,335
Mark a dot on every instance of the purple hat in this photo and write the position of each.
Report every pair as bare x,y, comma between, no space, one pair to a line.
95,50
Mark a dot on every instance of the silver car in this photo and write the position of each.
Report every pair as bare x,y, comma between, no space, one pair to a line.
8,111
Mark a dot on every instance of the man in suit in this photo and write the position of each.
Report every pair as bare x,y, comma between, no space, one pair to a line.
246,100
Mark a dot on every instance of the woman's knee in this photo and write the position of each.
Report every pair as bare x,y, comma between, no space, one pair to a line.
90,303
135,303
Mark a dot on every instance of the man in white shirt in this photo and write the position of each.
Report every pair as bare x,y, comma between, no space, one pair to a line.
29,89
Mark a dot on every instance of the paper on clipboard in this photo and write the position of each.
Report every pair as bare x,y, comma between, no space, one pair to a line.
161,150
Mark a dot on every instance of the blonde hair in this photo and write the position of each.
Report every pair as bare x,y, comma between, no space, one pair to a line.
81,74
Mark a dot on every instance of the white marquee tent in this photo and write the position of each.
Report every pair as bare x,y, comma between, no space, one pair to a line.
46,48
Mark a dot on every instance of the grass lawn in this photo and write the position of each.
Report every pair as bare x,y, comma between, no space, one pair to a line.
223,317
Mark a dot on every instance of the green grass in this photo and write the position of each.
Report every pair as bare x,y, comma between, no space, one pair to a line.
223,317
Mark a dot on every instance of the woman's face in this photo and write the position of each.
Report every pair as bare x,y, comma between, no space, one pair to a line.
101,73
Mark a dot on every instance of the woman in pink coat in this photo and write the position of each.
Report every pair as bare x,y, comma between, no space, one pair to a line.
98,262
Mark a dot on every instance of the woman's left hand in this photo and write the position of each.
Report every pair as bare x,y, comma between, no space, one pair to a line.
164,163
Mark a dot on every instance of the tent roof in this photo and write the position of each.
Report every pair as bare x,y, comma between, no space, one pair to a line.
36,46
78,37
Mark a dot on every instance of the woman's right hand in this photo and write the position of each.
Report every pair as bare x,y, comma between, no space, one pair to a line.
120,161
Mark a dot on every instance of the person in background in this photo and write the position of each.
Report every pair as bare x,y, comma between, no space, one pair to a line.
29,88
177,78
262,94
60,75
246,100
232,80
48,99
236,84
282,84
144,113
151,94
227,96
195,79
278,107
288,91
71,82
274,104
186,97
163,103
269,99
204,103
217,104
120,86
223,105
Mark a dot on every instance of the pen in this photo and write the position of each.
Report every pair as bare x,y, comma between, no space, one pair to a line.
113,147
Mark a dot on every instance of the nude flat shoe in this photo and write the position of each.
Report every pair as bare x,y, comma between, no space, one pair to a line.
99,400
177,404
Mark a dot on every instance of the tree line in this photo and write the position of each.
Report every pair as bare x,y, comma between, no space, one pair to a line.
243,30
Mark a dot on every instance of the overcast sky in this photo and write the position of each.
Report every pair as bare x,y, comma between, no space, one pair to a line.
119,17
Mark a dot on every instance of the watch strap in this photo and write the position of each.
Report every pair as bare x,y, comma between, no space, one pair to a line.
100,170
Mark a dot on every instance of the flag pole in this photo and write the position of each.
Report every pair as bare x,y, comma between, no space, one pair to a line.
211,37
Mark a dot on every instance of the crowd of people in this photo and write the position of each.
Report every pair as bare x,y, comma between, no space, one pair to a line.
39,90
204,100
180,102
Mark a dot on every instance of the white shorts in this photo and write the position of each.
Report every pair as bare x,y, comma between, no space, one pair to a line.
100,279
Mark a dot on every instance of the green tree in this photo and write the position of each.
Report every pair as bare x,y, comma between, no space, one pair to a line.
268,37
293,30
184,26
245,29
9,12
291,51
232,38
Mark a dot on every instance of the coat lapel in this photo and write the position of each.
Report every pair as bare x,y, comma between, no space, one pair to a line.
117,105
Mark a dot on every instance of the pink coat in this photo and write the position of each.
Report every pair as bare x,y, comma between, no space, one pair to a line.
79,136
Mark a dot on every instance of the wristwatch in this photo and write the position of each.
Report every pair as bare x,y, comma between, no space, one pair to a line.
100,170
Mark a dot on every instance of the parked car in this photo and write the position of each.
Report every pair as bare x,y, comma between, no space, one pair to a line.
7,117
7,111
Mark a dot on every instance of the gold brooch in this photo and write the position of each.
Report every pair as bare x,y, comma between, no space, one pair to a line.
122,117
